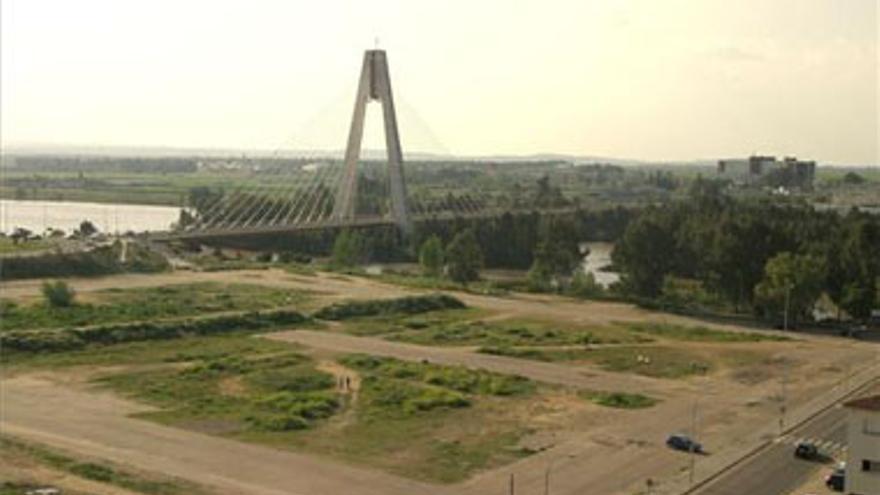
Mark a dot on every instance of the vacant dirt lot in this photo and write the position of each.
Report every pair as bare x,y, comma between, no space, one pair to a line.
599,451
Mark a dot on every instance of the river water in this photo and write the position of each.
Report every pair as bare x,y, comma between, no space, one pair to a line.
37,216
598,258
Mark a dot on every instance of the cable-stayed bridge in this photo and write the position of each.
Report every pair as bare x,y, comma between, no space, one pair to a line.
319,195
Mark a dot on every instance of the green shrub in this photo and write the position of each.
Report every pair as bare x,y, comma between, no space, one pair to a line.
292,380
398,397
93,471
58,294
402,305
619,400
277,422
103,260
456,378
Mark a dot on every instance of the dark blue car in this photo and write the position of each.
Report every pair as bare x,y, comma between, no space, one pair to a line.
683,442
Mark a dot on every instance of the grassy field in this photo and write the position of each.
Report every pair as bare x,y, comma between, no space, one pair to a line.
8,247
425,421
654,361
700,334
472,327
170,301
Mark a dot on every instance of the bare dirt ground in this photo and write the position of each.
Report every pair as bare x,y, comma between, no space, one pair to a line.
601,451
98,424
558,374
21,471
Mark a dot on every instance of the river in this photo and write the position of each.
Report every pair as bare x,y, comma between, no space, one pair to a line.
599,258
37,216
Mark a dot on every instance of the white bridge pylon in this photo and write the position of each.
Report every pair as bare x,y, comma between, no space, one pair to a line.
374,85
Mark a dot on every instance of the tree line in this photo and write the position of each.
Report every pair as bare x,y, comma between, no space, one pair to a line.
761,255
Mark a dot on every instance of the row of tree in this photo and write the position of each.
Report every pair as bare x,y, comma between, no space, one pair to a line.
754,254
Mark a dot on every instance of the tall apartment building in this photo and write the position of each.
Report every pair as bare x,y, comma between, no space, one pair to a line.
767,170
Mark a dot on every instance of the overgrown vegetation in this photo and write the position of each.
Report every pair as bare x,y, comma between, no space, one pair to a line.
511,333
78,338
653,361
700,334
435,385
276,392
619,400
147,303
403,305
57,295
105,260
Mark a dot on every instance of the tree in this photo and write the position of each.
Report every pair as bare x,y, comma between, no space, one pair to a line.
464,258
584,284
795,279
853,178
552,266
431,256
20,234
858,299
646,253
347,249
58,294
87,228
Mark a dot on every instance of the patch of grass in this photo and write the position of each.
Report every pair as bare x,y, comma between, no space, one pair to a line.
619,400
456,378
515,333
295,397
8,247
101,472
700,334
170,301
39,341
417,281
653,361
183,350
399,306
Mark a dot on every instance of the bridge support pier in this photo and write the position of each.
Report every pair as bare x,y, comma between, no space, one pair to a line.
375,84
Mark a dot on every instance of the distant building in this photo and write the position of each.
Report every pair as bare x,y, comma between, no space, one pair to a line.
863,441
768,171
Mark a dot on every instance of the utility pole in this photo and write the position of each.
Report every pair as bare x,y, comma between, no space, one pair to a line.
547,478
785,314
784,400
693,439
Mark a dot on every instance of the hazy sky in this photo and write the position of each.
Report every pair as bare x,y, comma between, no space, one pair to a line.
651,79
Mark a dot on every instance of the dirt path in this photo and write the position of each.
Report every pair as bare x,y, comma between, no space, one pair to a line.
592,379
97,424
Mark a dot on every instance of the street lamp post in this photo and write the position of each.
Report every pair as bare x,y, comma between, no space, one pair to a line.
785,313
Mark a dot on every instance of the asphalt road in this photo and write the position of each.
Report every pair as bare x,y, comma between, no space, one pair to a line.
775,470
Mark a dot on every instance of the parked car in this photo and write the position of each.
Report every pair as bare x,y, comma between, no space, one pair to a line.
808,451
683,442
835,480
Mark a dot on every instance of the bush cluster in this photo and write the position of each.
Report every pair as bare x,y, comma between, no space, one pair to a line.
283,411
402,305
68,339
456,378
99,261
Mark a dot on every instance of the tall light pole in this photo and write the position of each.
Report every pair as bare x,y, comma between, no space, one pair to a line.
693,442
785,313
784,405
